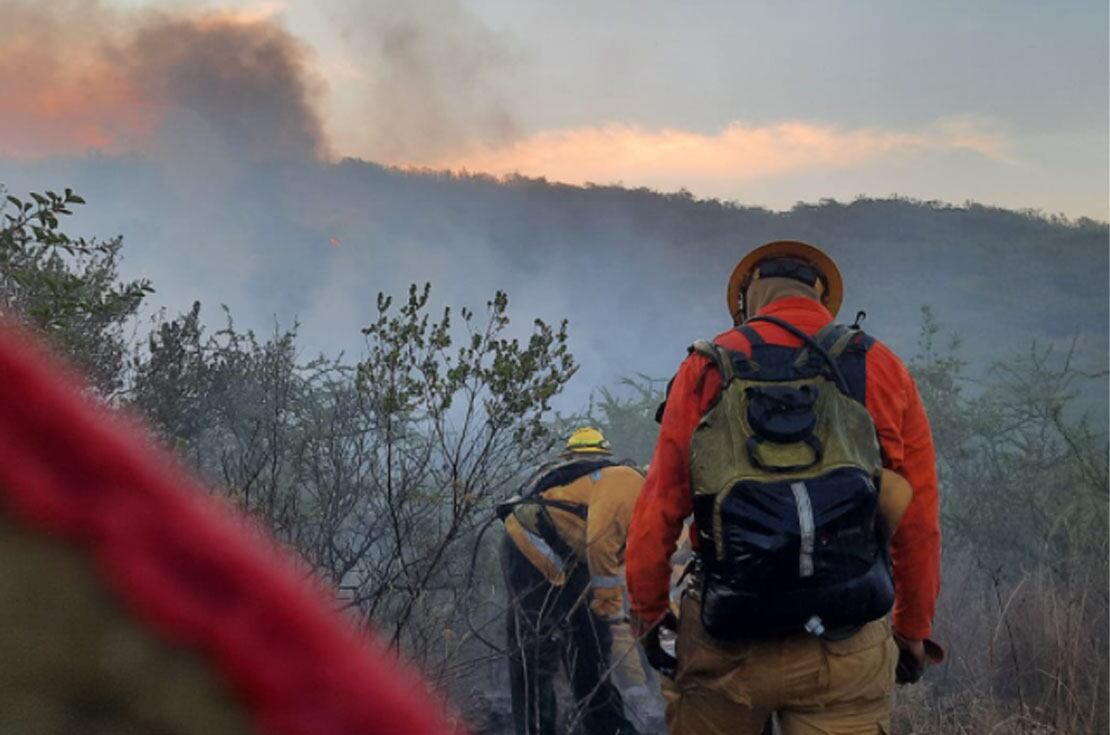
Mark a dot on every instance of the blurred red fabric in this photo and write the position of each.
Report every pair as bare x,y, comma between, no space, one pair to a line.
185,564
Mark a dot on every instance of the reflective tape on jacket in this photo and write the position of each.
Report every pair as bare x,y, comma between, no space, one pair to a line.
603,581
538,552
545,549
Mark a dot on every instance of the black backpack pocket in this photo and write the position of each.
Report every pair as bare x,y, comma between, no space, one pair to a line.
793,550
782,414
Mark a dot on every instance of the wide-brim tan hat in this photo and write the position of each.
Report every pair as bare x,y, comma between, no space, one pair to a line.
742,274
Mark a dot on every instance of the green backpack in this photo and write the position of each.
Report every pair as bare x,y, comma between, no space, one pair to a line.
785,469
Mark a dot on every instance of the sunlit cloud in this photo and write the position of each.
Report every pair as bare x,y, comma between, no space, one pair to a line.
266,11
96,109
740,152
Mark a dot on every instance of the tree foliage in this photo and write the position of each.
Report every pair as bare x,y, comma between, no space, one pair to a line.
1022,467
378,473
67,289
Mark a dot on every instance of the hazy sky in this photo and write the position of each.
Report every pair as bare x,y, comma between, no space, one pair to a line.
761,102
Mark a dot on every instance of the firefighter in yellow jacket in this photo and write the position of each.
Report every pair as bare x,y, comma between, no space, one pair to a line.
561,557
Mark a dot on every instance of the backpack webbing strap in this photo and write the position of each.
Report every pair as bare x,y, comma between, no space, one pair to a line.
754,340
837,340
833,337
577,509
553,474
828,335
545,527
813,344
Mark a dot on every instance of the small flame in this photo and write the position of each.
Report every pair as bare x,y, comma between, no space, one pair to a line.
334,242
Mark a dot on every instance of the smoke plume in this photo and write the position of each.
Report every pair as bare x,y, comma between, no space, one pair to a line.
437,79
79,76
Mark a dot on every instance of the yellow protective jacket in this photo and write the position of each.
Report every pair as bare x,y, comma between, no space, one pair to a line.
608,495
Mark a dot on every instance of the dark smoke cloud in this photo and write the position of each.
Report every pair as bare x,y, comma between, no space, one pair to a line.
439,78
249,82
76,76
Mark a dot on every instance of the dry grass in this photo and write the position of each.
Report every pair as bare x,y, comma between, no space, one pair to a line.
1027,651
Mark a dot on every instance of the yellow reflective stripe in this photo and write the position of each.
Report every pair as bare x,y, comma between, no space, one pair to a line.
605,581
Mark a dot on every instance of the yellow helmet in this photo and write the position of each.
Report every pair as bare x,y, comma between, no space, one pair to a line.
588,440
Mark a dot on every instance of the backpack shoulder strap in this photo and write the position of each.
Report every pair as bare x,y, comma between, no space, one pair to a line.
567,506
562,472
848,346
554,474
754,340
809,342
719,356
833,338
703,347
577,509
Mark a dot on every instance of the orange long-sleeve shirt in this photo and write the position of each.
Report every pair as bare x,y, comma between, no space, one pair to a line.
904,434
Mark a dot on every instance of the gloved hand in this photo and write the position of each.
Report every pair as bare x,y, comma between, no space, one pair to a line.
911,662
913,657
660,660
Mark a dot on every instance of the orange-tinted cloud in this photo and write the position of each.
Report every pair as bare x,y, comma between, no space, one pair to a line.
668,158
79,76
59,90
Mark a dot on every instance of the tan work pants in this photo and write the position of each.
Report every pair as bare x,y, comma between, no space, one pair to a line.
817,687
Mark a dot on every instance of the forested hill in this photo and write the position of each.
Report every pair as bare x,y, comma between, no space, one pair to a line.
639,274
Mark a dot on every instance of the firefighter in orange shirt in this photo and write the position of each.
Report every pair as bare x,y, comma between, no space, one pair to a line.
768,438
